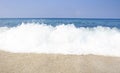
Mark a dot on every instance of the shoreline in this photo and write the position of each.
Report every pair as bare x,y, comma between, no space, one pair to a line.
57,63
61,54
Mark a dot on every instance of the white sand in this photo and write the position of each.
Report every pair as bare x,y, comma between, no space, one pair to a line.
51,63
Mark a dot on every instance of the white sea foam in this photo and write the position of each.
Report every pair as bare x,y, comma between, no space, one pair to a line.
62,39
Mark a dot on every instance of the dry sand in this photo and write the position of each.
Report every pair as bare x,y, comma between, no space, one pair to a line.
51,63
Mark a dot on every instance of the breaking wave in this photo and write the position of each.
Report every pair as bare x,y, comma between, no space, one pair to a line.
61,39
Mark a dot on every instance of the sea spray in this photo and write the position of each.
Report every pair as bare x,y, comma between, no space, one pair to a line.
60,39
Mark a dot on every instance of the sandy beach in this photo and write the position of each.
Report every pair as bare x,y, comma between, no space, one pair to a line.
55,63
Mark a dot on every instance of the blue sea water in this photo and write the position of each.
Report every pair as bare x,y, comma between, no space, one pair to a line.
60,35
78,22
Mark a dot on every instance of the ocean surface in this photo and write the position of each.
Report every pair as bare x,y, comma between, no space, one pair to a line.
78,36
78,22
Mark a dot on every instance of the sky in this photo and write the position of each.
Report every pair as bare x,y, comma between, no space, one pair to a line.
60,8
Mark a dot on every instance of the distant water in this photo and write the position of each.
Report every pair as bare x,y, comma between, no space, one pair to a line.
78,22
60,35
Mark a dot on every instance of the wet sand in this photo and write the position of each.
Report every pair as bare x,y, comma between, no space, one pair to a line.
56,63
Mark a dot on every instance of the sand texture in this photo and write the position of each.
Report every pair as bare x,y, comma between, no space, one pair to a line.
53,63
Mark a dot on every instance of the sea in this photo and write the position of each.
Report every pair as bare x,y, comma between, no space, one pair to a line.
78,36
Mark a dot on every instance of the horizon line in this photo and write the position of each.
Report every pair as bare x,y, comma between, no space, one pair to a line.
53,18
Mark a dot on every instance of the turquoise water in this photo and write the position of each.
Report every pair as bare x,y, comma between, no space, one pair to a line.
78,22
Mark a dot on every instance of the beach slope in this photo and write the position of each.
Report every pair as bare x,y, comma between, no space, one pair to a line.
56,63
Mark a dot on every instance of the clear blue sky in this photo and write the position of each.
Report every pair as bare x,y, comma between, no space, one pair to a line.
60,8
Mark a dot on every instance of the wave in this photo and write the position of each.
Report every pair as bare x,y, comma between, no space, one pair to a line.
61,39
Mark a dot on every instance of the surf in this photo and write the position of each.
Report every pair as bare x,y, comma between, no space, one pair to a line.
60,39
